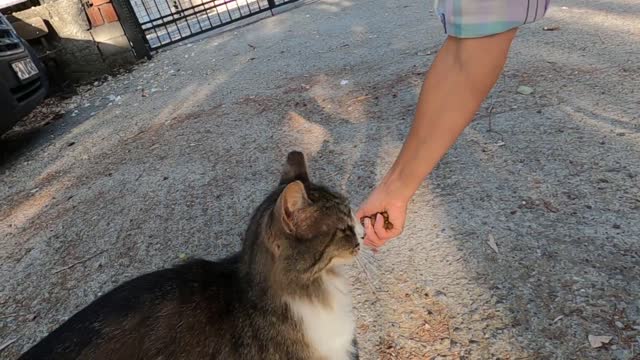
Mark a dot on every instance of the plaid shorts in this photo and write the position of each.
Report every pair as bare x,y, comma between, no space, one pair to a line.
477,18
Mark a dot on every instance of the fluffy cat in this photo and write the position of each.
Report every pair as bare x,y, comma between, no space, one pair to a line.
283,296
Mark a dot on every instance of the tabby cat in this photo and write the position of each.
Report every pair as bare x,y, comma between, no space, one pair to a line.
283,296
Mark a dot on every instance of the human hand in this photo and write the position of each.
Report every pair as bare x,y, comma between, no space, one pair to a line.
381,229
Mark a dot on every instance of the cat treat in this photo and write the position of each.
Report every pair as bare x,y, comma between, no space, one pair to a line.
387,224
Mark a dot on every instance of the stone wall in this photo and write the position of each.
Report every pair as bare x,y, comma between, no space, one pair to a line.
82,52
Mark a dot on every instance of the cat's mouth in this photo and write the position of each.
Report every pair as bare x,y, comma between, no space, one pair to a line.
347,256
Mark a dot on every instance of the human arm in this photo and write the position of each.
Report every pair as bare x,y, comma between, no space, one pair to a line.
460,78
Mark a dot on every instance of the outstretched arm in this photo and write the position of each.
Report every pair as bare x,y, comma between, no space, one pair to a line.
460,78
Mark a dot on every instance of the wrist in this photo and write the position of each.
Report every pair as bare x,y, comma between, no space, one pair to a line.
396,187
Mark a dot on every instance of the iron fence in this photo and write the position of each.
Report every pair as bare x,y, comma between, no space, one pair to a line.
165,22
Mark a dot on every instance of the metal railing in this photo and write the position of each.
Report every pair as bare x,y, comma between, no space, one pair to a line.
165,22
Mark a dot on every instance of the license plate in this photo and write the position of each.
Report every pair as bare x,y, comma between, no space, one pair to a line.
24,68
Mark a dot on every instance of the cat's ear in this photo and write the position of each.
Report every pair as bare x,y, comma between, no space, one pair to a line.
293,198
295,169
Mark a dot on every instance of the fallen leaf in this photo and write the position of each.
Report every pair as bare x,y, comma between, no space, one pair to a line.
363,328
492,244
524,90
597,341
550,207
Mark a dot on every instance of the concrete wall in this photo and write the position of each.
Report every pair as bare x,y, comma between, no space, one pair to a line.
112,44
82,53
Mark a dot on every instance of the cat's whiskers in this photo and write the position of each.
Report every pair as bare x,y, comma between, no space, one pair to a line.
364,262
370,261
369,281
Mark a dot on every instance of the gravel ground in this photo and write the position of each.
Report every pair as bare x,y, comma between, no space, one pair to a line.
523,243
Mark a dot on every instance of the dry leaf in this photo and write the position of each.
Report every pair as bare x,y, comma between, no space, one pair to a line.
363,328
492,244
597,341
550,207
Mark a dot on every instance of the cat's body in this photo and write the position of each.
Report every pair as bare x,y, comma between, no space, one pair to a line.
282,297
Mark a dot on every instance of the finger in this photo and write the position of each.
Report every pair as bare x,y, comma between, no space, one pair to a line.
371,238
369,233
372,241
361,216
379,228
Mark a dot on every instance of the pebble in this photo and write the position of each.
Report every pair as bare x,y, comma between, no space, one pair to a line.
524,90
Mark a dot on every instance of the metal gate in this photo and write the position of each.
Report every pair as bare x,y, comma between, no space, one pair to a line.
165,22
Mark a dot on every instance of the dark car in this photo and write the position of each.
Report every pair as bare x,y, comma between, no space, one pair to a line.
23,81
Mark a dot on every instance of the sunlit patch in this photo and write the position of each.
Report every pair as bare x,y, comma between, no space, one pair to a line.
303,134
22,213
340,99
334,5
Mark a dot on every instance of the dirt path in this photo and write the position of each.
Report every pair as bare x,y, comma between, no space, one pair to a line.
168,160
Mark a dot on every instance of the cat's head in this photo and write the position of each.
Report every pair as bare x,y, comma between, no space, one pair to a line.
312,227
